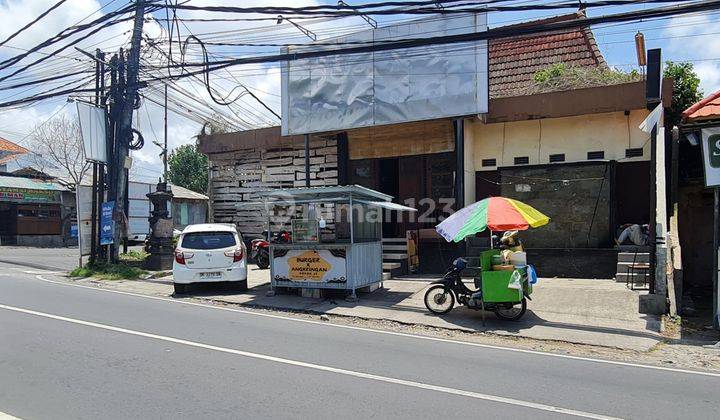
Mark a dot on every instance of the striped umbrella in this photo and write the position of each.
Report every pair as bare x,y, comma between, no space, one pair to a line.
495,213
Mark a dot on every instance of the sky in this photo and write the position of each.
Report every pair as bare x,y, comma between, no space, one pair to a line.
688,38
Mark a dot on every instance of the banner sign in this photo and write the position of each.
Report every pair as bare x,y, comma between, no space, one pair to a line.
322,265
107,224
93,126
29,196
711,156
344,91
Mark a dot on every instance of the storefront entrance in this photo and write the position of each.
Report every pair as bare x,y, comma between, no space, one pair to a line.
425,182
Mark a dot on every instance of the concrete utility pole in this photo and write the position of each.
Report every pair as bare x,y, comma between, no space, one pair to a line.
124,125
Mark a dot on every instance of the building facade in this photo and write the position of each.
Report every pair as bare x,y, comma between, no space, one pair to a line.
576,154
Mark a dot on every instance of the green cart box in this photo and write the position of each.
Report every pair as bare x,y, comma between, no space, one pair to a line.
495,283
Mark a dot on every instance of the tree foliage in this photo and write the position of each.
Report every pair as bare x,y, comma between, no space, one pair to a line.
188,168
686,89
58,142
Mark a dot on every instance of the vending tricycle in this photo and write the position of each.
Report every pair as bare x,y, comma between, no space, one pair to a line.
503,291
504,280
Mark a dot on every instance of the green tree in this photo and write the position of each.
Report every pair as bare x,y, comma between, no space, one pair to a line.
686,89
188,167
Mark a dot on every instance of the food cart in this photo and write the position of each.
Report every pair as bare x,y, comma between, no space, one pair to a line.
345,253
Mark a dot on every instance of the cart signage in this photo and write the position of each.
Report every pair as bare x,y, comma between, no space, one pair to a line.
324,265
308,266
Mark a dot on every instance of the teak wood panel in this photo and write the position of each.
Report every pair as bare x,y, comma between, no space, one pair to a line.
419,138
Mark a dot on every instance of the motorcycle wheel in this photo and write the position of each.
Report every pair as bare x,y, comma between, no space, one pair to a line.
262,260
513,313
438,301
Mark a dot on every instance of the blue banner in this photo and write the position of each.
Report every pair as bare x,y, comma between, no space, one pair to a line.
107,224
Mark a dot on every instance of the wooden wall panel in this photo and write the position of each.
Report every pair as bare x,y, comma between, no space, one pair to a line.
237,176
410,139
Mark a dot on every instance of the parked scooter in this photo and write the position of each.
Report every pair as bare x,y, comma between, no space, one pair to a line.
260,248
440,297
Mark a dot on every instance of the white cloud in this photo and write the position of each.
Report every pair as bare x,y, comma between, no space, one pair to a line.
691,38
709,74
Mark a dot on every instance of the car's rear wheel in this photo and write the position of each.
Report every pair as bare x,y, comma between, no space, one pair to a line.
180,288
239,286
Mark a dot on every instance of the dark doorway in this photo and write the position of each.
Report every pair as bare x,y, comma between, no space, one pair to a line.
632,193
389,183
8,223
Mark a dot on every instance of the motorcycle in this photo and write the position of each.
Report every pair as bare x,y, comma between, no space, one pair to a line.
260,248
441,296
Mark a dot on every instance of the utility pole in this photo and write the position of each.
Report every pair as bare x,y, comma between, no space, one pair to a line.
124,127
165,150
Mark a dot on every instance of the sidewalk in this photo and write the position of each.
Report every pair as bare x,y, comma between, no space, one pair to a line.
597,312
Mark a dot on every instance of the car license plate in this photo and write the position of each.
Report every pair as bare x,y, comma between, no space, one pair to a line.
211,275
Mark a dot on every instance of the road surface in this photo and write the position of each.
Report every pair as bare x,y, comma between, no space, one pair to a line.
79,352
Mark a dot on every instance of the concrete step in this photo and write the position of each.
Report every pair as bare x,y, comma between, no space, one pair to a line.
622,277
386,275
394,240
387,247
387,266
394,257
628,257
622,267
632,248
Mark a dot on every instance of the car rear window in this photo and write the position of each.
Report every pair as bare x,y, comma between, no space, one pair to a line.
208,240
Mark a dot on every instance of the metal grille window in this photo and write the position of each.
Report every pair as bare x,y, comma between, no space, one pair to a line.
522,160
489,162
596,155
560,157
636,152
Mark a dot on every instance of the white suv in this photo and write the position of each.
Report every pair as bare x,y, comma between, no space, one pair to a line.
209,253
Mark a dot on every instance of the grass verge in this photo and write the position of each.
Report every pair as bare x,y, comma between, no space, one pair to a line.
134,256
105,271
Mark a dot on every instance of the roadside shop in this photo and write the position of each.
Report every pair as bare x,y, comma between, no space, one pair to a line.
30,212
336,237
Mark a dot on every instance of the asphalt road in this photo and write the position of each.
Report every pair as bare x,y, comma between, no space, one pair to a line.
73,352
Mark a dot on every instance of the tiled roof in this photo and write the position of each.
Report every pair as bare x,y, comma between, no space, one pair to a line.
513,61
707,109
8,147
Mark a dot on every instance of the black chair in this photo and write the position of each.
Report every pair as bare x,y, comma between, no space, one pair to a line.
639,268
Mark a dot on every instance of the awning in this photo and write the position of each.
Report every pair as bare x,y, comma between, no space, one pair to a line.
388,205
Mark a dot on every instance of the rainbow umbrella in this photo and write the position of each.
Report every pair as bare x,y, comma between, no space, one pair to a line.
495,213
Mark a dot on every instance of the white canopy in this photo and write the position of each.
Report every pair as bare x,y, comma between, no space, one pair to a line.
388,205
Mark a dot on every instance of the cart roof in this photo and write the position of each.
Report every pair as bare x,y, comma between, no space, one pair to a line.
335,193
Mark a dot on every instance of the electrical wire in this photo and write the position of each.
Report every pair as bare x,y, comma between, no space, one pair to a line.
32,22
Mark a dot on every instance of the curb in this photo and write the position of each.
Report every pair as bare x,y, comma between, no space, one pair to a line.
31,265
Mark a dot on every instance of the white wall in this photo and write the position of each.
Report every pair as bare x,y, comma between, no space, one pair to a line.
611,132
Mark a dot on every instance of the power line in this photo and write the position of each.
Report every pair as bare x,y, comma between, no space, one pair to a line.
34,21
502,32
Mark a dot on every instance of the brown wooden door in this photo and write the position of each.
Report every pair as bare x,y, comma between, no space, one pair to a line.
364,172
441,172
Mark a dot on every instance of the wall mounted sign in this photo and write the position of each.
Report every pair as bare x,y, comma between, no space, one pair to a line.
29,196
711,156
